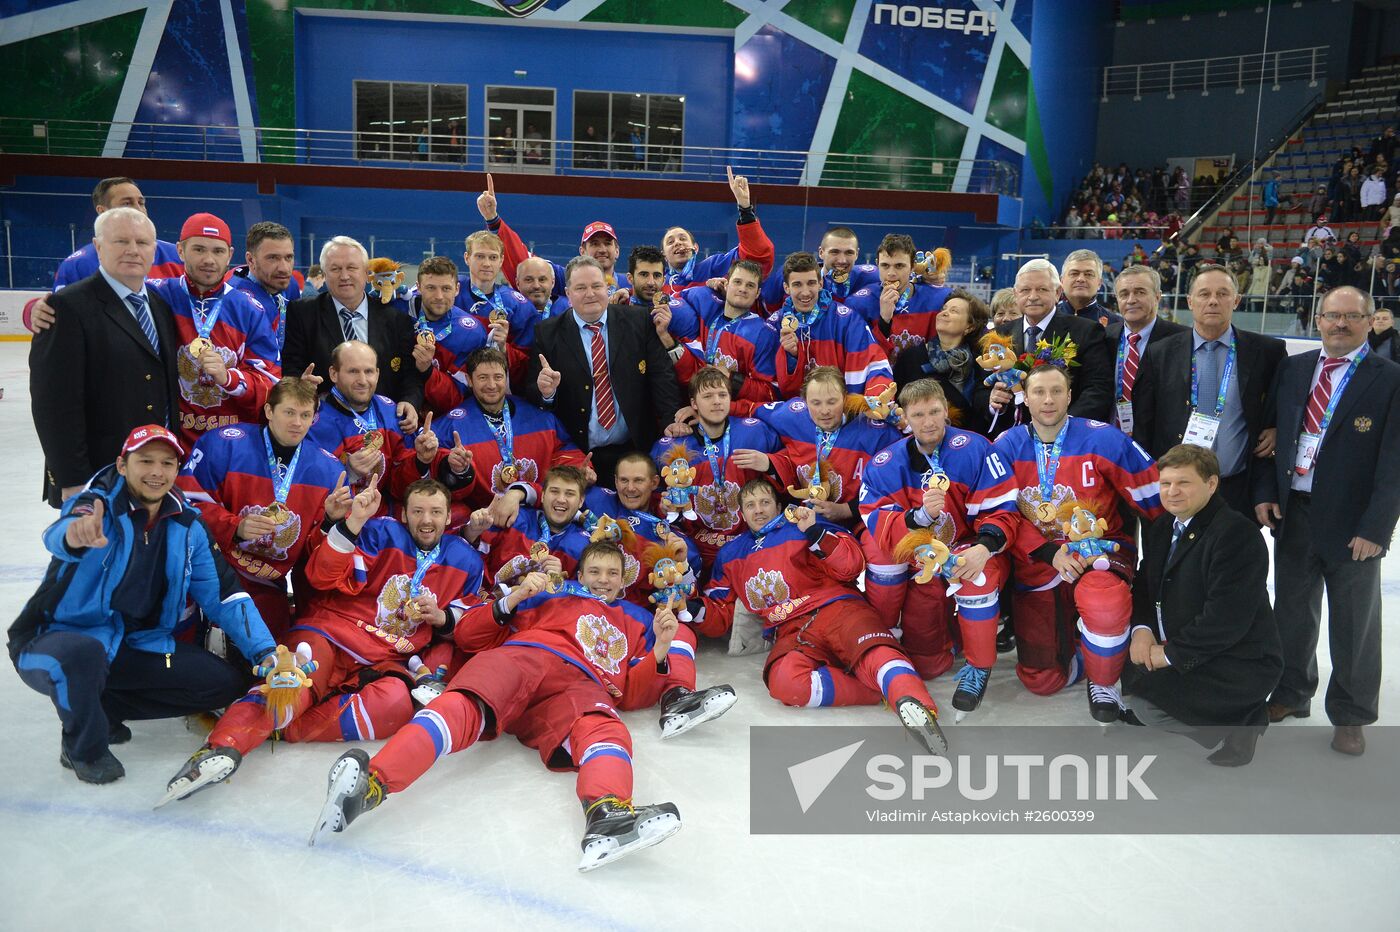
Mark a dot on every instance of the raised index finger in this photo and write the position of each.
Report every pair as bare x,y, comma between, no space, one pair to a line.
339,483
490,185
729,170
427,422
544,363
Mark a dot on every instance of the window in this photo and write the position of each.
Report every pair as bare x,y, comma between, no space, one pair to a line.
520,128
410,122
628,131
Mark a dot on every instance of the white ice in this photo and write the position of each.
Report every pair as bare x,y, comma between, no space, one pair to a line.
489,838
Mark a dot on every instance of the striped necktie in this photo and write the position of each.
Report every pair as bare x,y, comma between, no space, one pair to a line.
602,383
1177,530
1130,366
1321,395
142,312
347,323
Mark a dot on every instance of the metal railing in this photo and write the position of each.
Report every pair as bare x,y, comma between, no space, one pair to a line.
1199,75
449,152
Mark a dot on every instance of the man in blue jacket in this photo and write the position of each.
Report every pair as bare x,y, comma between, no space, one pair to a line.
97,637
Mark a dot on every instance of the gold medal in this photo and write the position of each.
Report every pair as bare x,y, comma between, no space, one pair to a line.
199,346
277,512
499,316
660,299
426,338
373,441
841,278
556,582
1045,512
790,512
937,481
789,323
509,474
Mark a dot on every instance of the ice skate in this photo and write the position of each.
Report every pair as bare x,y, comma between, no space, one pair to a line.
682,709
922,723
205,767
616,829
972,686
352,791
1107,707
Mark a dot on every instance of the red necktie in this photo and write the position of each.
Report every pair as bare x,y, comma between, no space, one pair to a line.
602,384
1321,394
1130,366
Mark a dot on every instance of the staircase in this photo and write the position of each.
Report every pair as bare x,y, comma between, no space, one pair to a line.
1357,115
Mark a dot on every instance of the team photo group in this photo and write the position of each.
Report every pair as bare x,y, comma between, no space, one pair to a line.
347,497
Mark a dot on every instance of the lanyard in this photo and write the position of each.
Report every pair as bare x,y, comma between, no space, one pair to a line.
505,433
682,277
1338,387
423,325
424,559
204,316
712,339
902,304
281,475
543,533
935,464
767,529
1122,359
826,440
1047,461
570,587
281,321
838,289
1225,375
717,455
807,319
367,422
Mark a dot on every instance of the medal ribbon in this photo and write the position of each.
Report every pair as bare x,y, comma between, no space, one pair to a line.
571,587
718,455
1047,462
281,475
682,277
424,559
367,422
505,434
826,440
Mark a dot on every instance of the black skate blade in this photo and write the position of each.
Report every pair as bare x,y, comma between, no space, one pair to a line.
647,833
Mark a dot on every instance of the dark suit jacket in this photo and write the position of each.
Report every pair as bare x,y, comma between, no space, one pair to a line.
643,378
93,377
1113,335
1217,625
1162,394
1356,477
1090,382
313,330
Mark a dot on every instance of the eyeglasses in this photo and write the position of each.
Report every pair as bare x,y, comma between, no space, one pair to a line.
1352,317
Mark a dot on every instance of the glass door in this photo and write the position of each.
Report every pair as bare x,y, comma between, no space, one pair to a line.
520,129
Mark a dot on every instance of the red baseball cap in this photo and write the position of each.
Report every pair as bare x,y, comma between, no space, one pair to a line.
141,436
596,227
206,225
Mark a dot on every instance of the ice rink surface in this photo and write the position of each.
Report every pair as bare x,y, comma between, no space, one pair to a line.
489,839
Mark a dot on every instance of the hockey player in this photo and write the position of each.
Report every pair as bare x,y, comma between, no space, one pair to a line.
826,444
357,427
548,668
685,268
922,484
268,275
725,451
384,591
841,276
511,551
444,335
263,494
229,358
507,315
816,330
511,441
1040,479
729,335
830,648
899,311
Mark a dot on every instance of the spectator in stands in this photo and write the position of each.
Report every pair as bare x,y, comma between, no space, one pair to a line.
1385,145
1373,194
1227,246
1317,204
1320,231
1390,246
1073,222
1261,250
315,281
1181,190
1260,282
1004,307
1270,196
1331,271
1349,196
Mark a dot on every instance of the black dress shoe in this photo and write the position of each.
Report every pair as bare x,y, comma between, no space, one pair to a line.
118,733
1006,637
